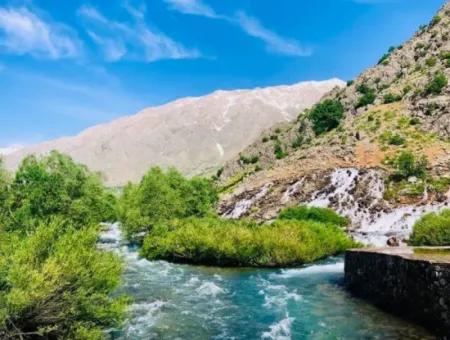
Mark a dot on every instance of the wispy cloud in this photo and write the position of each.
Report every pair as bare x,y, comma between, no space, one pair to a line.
194,7
133,40
274,42
250,25
25,32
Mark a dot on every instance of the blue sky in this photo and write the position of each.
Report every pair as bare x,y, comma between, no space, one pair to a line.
66,65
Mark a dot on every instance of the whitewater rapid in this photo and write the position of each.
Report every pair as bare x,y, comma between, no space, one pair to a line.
172,301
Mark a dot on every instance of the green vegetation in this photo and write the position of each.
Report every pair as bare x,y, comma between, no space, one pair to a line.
436,19
384,60
278,151
326,115
407,165
391,98
430,62
437,84
54,282
304,213
162,196
214,241
432,229
249,159
368,96
387,137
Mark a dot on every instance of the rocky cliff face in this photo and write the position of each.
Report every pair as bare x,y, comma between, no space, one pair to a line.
195,135
400,105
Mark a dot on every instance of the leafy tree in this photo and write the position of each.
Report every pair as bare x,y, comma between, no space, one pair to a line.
164,195
56,186
326,115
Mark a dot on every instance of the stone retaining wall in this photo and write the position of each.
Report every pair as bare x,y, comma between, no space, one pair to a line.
415,288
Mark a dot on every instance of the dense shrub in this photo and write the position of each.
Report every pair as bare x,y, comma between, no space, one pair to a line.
326,115
214,241
396,139
391,98
249,159
164,195
278,151
368,96
407,165
56,186
304,213
54,282
432,229
437,84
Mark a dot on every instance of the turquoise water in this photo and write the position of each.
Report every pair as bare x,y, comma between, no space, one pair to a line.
174,301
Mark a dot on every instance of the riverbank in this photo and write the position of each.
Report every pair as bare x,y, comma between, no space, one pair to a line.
198,302
411,282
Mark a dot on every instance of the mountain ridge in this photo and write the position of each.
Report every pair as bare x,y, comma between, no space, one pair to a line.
194,134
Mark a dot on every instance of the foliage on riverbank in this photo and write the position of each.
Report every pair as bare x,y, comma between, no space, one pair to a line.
163,195
304,213
54,282
432,229
214,241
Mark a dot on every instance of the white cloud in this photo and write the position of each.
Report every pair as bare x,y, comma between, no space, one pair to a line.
24,32
133,40
250,25
194,7
273,41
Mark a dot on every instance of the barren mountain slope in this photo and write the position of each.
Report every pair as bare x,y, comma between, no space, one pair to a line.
192,134
400,105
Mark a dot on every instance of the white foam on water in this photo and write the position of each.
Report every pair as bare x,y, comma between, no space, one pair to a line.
280,330
310,270
209,288
276,296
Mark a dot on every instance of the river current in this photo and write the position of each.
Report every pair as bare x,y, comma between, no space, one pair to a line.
172,301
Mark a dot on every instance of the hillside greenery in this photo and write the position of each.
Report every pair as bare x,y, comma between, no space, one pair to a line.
432,229
326,115
54,282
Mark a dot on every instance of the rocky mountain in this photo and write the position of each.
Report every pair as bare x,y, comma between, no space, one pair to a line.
383,164
194,134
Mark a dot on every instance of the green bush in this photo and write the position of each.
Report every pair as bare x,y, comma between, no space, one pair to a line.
304,213
326,115
437,84
368,96
213,241
430,62
432,229
249,159
278,151
396,139
164,195
406,165
391,98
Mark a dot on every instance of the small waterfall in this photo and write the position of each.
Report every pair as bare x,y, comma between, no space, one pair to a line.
244,205
358,194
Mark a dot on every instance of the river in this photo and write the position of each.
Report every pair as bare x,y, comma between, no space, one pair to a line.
172,301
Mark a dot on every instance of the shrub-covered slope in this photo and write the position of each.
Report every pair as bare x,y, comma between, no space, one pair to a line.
394,118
